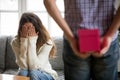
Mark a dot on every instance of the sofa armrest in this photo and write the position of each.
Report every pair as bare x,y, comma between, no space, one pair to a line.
10,57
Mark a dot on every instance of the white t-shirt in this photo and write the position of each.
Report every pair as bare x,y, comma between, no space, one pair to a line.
117,4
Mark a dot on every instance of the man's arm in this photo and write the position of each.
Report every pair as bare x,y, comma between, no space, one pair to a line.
116,21
107,39
115,24
55,14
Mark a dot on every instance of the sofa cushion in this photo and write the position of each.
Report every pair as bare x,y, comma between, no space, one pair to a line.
10,57
60,74
11,71
3,40
59,45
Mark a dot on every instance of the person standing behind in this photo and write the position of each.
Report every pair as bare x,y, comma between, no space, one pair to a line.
33,47
89,14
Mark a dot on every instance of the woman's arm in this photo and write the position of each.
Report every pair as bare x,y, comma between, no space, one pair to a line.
20,50
32,53
44,51
19,47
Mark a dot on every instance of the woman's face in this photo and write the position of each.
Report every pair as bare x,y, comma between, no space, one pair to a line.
28,25
28,30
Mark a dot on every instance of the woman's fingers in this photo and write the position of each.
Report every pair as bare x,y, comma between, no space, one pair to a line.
28,30
31,31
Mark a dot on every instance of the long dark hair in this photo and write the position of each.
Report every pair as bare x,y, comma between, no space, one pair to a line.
43,35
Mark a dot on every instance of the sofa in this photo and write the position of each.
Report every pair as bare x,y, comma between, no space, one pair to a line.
7,58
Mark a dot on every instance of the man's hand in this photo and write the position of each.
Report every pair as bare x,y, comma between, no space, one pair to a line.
74,45
105,45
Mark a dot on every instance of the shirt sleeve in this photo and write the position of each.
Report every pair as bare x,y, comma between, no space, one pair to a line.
40,58
32,55
21,48
117,4
45,49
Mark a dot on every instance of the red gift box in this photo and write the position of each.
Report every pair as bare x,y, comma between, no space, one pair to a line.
89,40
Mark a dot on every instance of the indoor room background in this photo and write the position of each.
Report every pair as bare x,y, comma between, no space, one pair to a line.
11,10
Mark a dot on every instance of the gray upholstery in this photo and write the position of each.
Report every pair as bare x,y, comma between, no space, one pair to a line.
3,40
10,57
7,57
58,57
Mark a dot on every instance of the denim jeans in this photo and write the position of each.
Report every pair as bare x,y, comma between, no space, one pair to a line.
35,74
104,68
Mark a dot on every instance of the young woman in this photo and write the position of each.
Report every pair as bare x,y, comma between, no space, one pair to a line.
33,47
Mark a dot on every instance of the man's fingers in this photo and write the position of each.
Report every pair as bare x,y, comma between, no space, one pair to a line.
104,50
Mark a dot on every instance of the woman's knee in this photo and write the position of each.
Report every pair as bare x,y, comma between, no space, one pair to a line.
39,75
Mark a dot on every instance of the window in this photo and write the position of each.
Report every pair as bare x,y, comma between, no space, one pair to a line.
10,14
8,17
